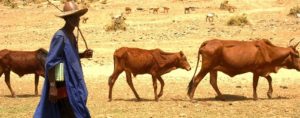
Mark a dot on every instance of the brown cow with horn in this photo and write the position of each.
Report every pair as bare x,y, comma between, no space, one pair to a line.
21,63
139,61
260,57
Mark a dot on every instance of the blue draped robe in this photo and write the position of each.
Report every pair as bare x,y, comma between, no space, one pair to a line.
62,50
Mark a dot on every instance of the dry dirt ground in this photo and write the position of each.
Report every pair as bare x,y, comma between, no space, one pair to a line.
31,27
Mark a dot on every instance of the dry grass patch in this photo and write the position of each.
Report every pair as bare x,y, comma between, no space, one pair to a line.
294,11
9,3
239,20
103,2
117,23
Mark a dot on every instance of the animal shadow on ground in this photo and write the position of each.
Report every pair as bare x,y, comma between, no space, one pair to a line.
22,96
230,98
226,98
134,100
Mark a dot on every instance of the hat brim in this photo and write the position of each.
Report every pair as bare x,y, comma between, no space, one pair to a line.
78,13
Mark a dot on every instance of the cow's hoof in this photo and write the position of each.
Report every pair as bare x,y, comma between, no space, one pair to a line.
255,97
109,100
159,95
220,97
269,95
191,97
193,101
13,95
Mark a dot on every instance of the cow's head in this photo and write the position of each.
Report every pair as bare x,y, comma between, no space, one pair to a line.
183,63
41,56
293,61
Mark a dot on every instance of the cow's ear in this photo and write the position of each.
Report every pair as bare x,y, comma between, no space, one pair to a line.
181,53
295,54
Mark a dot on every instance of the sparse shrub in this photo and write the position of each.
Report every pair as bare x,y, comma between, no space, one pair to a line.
90,1
13,5
294,11
64,1
103,1
117,23
6,2
224,4
37,1
10,3
239,20
25,3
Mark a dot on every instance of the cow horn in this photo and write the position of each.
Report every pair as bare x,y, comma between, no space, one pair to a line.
296,44
290,41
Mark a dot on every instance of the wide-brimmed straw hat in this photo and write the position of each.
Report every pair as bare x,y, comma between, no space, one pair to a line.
70,9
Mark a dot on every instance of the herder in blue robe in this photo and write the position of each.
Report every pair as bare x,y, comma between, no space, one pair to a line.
65,98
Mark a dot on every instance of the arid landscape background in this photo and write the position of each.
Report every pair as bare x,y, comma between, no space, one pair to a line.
32,26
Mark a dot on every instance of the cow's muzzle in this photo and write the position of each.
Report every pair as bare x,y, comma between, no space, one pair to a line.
188,68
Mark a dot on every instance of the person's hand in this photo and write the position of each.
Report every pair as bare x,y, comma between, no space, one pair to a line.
88,53
53,94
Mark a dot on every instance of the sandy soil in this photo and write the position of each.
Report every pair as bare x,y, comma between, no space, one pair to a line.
30,27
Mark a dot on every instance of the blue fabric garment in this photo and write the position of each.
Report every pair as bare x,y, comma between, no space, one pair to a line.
62,50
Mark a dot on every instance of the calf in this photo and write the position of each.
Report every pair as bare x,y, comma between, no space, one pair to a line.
84,19
139,61
166,9
154,10
21,63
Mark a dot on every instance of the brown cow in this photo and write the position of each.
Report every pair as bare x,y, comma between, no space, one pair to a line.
188,10
84,19
127,10
139,61
21,63
260,57
166,9
154,10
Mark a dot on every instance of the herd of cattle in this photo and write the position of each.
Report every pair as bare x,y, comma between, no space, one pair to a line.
231,57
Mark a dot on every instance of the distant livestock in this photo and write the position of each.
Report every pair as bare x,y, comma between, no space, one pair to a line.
188,10
84,19
154,10
127,10
166,9
210,17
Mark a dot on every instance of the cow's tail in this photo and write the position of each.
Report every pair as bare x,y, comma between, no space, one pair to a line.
115,61
192,80
1,71
2,55
115,58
